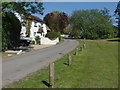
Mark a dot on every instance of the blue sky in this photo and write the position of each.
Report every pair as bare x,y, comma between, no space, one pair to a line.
69,7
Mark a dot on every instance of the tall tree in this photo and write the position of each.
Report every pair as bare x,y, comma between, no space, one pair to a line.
11,26
117,11
57,21
92,24
118,8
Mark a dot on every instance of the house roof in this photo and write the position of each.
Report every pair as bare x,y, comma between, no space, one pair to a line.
36,18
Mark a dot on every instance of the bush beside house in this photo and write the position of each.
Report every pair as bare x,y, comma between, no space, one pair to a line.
37,38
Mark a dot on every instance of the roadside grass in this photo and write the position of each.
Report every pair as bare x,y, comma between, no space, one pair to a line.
95,67
5,55
110,39
113,39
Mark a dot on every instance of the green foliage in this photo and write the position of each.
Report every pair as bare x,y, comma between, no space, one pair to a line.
22,7
10,31
75,32
53,35
118,8
67,30
56,12
117,11
59,36
11,25
56,21
33,42
40,27
92,24
37,38
28,26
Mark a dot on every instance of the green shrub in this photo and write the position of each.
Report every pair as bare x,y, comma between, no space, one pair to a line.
52,35
33,42
59,36
37,38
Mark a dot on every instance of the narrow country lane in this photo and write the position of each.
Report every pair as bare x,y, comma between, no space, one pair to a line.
17,67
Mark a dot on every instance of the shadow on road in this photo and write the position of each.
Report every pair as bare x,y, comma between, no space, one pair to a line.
23,48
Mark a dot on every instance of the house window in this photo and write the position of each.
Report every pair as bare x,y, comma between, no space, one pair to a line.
35,24
34,33
23,23
21,34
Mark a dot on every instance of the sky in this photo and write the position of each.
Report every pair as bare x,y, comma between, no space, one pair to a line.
69,7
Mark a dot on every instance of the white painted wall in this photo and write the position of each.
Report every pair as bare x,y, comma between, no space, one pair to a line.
45,40
44,29
23,31
33,30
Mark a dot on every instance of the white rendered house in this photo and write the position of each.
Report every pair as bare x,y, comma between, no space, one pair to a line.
35,27
35,30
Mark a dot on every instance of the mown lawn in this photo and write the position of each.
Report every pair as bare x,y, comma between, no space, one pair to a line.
95,67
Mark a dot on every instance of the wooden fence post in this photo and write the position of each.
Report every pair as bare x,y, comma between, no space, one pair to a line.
51,75
76,52
84,45
69,59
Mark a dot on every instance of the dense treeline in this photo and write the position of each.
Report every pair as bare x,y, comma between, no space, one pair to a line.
92,24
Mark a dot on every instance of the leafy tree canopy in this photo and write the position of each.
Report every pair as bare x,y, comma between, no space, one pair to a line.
117,11
11,25
22,7
92,24
118,8
57,21
10,31
56,12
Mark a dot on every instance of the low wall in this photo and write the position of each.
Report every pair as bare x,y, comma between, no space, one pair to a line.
45,40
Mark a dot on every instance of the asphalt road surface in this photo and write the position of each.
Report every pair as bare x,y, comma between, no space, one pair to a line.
17,67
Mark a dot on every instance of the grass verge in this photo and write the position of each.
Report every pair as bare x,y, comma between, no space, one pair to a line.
95,67
5,55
